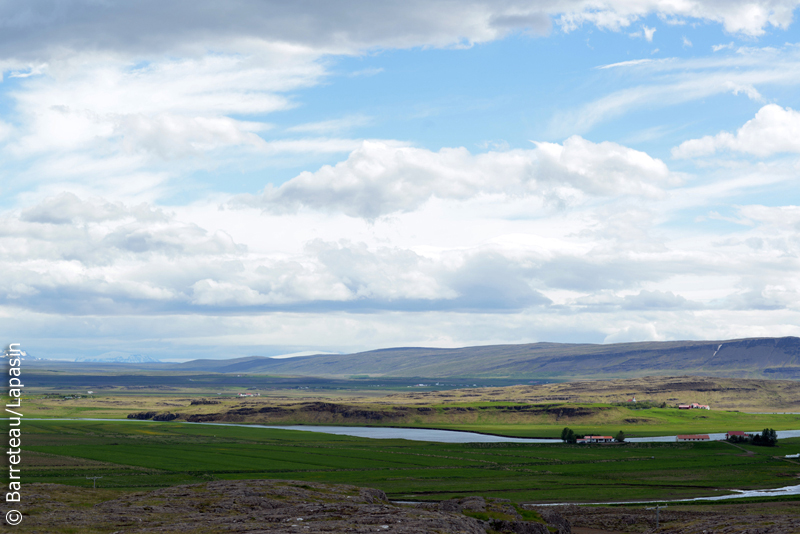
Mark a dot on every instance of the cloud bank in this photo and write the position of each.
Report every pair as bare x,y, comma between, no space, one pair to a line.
379,178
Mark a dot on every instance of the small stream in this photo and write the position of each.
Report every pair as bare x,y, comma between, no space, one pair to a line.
738,494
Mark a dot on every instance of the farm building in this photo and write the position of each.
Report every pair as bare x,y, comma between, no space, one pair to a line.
694,406
736,433
596,439
692,437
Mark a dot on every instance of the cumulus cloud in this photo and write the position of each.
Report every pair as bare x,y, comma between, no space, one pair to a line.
97,232
773,130
122,258
380,178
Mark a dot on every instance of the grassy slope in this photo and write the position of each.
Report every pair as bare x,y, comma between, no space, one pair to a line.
147,455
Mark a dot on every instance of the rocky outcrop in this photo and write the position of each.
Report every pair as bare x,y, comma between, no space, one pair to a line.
264,506
556,520
196,402
142,415
740,518
167,416
518,527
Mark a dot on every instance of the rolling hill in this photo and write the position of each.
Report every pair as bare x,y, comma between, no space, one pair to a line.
745,358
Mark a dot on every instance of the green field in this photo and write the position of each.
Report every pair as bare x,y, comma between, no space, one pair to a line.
138,456
506,418
638,423
610,419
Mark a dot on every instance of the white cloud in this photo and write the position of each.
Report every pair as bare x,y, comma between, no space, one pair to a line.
645,32
773,130
717,48
574,239
686,42
630,63
785,219
380,178
553,275
135,90
67,208
738,16
179,103
168,135
673,81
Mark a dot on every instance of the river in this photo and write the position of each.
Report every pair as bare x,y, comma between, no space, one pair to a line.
452,436
420,434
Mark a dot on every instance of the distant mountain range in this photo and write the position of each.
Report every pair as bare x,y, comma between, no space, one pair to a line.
742,358
25,356
123,358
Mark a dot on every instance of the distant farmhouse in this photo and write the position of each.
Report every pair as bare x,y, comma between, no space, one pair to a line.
692,437
694,406
596,439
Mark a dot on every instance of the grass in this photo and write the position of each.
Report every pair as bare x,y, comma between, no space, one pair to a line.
145,455
507,418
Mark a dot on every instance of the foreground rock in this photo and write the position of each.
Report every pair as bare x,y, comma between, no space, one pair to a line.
739,518
271,506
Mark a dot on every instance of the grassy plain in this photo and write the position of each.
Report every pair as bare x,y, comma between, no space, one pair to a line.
518,418
145,455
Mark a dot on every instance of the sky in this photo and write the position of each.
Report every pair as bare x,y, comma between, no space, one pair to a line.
198,179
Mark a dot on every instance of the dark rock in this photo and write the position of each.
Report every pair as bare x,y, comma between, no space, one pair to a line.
203,418
451,505
477,504
372,495
142,415
519,527
554,519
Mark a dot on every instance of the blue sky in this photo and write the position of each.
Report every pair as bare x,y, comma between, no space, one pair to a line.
192,179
